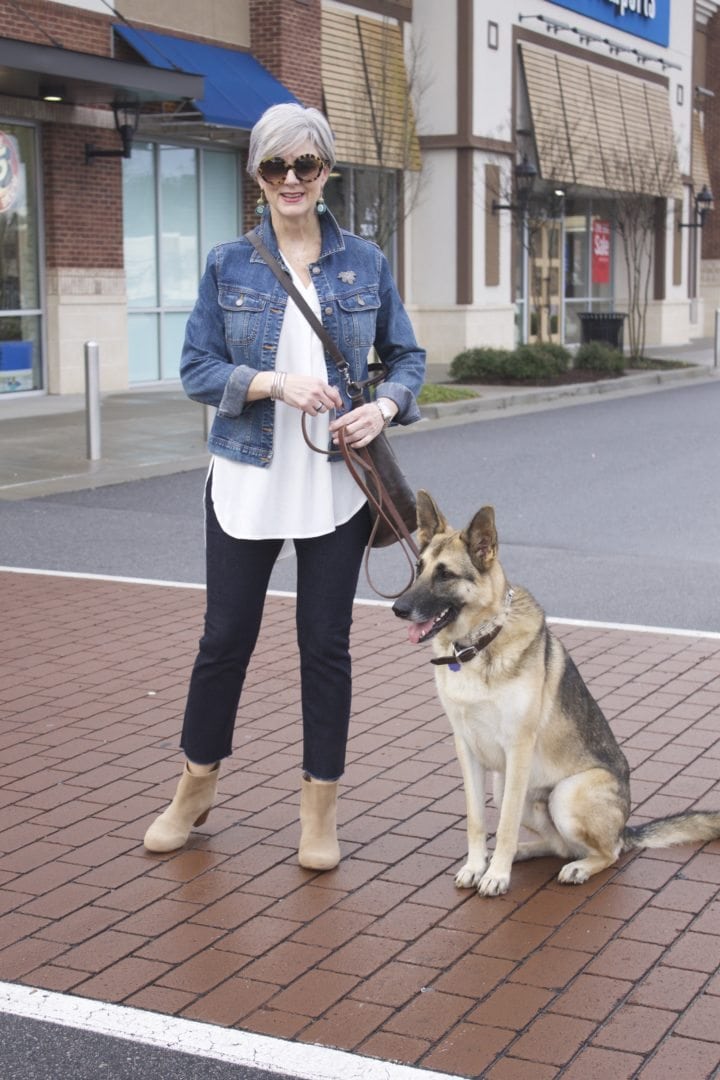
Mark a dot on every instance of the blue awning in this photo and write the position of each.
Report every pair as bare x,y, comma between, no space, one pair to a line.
238,89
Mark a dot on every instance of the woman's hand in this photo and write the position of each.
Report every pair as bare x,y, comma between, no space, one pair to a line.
310,395
361,425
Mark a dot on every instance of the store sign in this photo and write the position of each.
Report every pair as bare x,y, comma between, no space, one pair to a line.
647,19
600,252
9,173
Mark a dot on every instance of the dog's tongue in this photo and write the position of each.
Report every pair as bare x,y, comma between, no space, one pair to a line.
417,630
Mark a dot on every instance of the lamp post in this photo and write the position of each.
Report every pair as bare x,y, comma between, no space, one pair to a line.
703,204
127,116
525,175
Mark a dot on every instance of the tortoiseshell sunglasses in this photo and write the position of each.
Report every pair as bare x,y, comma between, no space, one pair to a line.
307,168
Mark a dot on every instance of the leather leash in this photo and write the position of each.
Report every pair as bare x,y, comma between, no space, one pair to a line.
358,461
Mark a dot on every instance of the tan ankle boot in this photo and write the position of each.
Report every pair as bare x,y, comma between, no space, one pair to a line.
319,849
194,796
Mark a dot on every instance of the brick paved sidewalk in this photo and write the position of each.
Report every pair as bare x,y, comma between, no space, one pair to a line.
383,956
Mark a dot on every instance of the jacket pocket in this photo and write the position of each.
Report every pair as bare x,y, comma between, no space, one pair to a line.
358,316
243,312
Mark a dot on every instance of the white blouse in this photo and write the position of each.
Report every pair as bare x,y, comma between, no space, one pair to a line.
299,494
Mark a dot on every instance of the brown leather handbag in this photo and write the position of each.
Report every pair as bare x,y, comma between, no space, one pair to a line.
375,467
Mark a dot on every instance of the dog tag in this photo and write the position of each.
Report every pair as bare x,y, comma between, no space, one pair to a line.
454,667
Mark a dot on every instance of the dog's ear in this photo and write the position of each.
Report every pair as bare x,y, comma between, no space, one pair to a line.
429,519
481,538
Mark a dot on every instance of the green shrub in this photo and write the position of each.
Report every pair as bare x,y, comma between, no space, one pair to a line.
527,363
537,362
562,354
598,356
483,364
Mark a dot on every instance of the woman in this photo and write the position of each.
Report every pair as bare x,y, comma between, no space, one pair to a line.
250,352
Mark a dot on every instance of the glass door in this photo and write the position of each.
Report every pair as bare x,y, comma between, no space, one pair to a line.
588,264
545,279
20,310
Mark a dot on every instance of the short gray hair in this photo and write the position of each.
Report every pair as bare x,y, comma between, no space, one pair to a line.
283,127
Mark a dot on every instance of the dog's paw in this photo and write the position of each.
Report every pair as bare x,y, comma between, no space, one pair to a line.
469,876
573,873
493,884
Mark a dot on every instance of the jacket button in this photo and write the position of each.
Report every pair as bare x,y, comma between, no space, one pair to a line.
328,310
316,269
361,301
239,301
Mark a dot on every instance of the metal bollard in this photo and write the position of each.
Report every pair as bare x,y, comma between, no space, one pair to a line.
717,337
92,399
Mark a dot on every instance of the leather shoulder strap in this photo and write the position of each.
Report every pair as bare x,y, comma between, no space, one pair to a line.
287,284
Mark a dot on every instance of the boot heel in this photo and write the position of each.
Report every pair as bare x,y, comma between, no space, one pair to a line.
194,797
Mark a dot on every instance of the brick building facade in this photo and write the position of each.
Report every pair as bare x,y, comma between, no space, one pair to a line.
111,248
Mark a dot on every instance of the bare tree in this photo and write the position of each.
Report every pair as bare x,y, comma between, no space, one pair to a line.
638,202
386,191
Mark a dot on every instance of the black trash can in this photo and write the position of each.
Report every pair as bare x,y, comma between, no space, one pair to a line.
605,326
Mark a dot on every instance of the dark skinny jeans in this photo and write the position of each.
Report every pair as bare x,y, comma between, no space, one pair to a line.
238,572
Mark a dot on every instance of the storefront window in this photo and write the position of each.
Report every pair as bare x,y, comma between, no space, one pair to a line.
588,265
179,239
140,226
20,313
365,201
178,202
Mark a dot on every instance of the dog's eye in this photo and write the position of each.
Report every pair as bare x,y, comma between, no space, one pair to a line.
443,574
418,568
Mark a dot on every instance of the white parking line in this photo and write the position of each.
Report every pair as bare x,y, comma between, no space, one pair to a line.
638,628
171,1033
712,634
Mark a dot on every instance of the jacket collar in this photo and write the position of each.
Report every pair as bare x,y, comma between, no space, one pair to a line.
332,237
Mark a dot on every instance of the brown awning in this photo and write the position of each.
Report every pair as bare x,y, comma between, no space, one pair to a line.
365,86
597,127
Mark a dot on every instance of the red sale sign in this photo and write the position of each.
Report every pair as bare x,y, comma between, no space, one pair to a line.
600,252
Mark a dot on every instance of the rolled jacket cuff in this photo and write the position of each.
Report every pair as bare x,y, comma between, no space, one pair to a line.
234,397
408,411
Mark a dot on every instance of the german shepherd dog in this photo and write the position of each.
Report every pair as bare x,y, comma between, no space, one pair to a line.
519,707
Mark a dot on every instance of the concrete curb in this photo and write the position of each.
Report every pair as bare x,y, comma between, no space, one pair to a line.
494,399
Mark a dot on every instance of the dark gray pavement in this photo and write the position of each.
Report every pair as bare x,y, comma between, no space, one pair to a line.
158,431
36,1050
608,512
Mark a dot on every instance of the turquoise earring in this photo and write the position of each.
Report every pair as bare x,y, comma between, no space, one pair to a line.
260,205
321,205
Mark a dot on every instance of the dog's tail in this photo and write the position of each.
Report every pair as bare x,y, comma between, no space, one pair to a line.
688,828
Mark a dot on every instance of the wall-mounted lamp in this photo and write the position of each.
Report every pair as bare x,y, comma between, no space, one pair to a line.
556,201
703,204
702,91
127,116
525,176
52,92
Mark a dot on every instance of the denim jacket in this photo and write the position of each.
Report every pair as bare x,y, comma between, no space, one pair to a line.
234,328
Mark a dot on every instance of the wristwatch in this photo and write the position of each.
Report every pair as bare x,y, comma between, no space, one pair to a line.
386,410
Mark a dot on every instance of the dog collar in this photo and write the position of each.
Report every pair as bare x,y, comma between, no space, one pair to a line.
487,633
